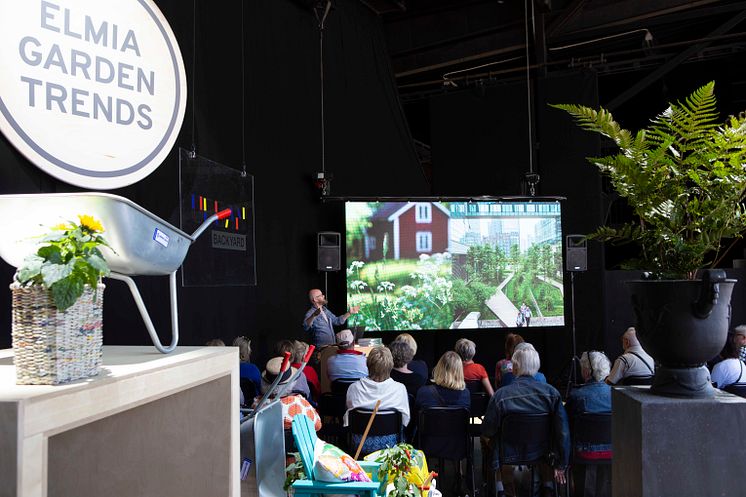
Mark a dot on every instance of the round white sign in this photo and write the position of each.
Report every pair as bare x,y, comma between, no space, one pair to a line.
93,92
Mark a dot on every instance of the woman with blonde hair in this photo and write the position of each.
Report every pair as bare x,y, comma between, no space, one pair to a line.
448,389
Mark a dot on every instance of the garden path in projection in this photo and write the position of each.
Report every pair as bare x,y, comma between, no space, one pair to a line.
501,305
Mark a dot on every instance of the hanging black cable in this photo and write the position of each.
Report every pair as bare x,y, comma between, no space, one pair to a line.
531,177
322,20
243,93
194,76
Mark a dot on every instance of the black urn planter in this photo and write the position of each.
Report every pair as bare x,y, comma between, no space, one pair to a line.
683,324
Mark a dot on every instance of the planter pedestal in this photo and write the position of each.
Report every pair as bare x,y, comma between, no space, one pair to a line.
676,447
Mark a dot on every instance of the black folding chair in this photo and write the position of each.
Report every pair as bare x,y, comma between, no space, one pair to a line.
636,380
590,429
443,434
736,389
529,438
385,423
474,386
342,384
331,408
249,390
479,402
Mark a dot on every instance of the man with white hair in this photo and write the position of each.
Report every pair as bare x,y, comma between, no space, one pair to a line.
526,395
634,362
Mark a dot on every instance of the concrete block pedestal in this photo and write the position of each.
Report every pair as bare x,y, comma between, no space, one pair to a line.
677,447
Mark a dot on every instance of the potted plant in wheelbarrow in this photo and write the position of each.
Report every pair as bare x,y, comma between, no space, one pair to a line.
684,178
57,303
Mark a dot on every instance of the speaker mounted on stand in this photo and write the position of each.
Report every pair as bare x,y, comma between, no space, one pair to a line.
576,261
328,255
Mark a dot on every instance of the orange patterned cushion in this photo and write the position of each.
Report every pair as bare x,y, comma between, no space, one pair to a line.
297,404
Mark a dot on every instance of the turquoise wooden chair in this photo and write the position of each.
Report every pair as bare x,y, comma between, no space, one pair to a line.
305,440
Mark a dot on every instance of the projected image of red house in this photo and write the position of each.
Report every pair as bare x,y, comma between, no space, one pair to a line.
453,265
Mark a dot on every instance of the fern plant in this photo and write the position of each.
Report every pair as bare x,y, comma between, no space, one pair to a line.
684,176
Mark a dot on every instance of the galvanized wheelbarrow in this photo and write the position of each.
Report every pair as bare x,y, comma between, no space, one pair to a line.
143,244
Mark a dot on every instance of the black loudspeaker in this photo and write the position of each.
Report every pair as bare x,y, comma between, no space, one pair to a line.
576,251
327,251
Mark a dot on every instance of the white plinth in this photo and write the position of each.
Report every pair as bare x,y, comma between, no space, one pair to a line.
149,424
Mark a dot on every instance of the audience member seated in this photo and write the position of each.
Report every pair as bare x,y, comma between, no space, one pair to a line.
402,354
730,369
292,403
635,362
448,388
299,352
417,365
347,362
247,370
472,371
505,365
592,397
508,377
299,386
378,386
526,395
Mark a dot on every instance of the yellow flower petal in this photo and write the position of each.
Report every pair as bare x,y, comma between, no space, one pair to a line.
89,222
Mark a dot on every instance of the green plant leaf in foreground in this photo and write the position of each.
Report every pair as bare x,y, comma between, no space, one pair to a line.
684,178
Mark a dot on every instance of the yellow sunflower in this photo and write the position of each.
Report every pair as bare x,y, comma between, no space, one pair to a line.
90,223
61,227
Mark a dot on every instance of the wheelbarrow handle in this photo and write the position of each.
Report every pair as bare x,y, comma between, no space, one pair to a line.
202,227
271,389
283,389
308,354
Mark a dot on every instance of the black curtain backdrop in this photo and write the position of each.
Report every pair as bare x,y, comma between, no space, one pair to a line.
368,150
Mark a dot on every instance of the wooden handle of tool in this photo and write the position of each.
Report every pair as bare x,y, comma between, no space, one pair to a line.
367,429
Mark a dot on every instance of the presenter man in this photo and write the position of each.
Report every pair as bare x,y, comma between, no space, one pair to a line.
320,321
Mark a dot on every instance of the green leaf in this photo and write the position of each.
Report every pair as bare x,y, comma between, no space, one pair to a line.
52,273
31,268
51,253
98,263
66,292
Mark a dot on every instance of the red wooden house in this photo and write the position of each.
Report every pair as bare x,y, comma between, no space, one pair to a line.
408,229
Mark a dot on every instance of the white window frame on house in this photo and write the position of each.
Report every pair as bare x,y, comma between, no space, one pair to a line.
423,212
427,237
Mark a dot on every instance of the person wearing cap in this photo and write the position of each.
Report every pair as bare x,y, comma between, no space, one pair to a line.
347,363
320,321
272,370
291,396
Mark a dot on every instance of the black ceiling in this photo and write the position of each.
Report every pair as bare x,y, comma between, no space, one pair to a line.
433,43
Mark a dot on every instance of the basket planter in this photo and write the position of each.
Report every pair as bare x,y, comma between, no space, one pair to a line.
52,347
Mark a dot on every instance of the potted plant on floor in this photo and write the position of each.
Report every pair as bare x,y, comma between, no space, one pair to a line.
684,178
57,303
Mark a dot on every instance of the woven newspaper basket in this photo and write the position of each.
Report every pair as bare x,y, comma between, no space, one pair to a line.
52,347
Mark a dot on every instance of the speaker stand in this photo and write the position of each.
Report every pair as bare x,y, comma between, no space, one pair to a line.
572,378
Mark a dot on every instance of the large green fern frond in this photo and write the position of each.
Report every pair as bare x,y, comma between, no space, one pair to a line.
600,121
